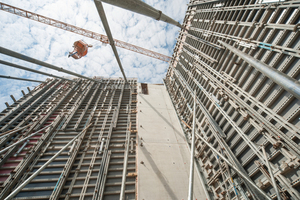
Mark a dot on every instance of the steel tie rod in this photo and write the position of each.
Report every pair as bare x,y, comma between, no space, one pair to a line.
13,131
38,62
123,184
18,189
102,15
288,83
5,149
191,179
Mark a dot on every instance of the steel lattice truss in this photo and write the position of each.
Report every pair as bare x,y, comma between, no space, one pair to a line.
240,110
81,31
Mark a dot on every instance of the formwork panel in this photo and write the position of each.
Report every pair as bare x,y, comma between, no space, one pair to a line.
91,167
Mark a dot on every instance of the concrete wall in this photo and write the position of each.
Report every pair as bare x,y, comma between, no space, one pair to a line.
163,153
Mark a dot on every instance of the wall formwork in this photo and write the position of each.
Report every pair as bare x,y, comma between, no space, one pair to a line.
240,110
106,108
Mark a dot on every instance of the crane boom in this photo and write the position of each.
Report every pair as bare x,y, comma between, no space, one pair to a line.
81,31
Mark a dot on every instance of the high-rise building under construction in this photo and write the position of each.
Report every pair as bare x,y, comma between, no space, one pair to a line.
235,65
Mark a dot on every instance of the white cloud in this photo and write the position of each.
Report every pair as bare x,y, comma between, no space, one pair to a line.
52,45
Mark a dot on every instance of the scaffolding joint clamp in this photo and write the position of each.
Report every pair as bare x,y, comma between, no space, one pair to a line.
159,16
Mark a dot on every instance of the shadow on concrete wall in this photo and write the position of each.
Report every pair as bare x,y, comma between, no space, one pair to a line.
158,173
163,118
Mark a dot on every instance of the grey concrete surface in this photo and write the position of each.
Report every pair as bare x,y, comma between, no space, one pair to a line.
163,160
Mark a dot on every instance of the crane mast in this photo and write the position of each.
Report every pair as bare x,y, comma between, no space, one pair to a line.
81,31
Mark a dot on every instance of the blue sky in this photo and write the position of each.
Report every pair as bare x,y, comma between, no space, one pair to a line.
52,45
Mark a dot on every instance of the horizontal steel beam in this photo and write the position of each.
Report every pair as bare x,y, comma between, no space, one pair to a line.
44,64
21,79
198,3
32,70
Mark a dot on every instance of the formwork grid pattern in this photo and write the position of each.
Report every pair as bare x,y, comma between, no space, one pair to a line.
92,167
240,110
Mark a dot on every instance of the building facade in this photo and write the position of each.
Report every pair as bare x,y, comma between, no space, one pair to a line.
81,139
240,110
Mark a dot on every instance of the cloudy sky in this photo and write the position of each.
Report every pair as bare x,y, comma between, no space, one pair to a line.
52,45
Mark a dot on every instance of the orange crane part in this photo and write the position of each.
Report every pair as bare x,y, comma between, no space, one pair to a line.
81,31
80,49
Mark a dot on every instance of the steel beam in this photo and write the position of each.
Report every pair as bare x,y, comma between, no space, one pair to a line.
142,8
271,173
44,64
21,79
288,83
32,70
191,179
102,15
39,99
222,142
128,134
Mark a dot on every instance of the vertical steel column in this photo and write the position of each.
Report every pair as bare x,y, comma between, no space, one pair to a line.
101,12
191,179
44,93
271,173
26,164
232,156
125,164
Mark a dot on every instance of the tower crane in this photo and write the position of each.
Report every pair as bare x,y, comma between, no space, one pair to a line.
81,31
